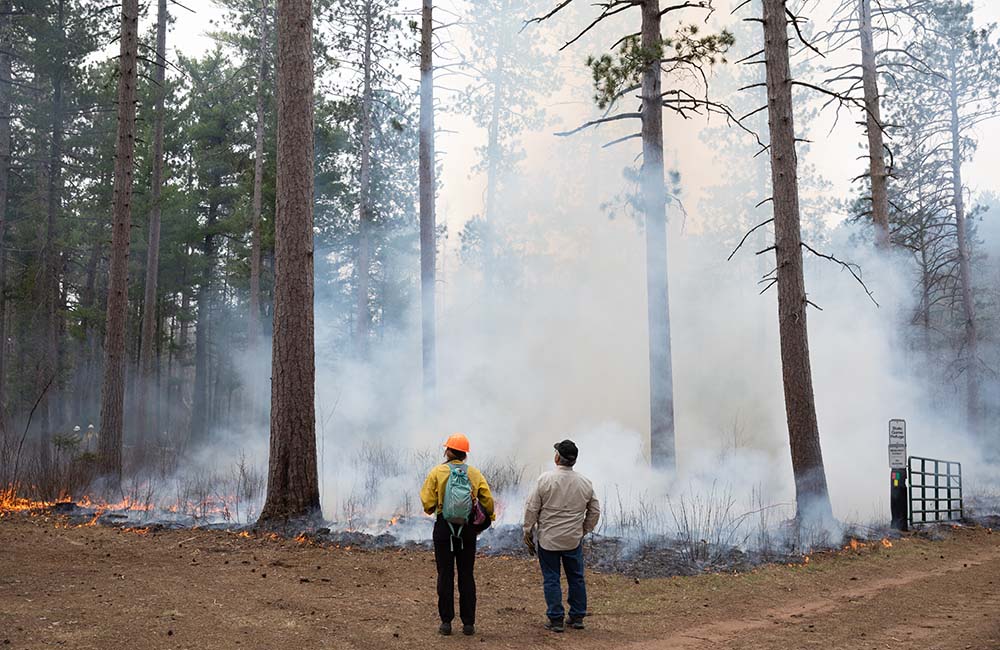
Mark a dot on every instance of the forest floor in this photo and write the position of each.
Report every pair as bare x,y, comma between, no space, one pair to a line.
109,588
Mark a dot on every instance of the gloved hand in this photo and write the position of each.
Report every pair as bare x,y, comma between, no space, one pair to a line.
529,541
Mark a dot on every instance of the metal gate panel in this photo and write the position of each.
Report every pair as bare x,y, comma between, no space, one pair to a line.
935,490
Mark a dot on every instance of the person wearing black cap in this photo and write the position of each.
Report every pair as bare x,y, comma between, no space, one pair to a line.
563,509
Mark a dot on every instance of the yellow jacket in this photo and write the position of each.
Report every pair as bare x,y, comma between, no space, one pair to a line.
432,493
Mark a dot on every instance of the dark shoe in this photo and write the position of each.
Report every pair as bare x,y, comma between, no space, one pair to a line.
445,629
555,624
468,630
575,623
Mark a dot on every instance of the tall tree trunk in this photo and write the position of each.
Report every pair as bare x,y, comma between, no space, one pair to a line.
964,255
113,391
6,43
428,241
200,401
292,480
145,415
654,193
363,326
253,325
811,495
876,150
50,264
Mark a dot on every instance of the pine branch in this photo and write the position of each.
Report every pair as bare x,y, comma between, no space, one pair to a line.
612,118
854,269
747,234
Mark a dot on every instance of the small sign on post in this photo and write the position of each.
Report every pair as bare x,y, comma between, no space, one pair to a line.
897,444
898,504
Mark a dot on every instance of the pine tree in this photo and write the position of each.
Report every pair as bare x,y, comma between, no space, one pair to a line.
292,480
811,493
640,64
113,392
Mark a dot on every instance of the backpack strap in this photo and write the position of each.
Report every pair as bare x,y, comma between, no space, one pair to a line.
456,535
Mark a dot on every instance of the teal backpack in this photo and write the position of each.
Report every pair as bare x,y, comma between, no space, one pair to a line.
457,506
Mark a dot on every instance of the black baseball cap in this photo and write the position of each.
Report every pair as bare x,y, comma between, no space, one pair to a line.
567,450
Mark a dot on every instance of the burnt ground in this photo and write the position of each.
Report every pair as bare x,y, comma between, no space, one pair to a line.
652,557
103,587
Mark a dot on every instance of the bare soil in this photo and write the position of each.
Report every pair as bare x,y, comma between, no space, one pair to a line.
107,588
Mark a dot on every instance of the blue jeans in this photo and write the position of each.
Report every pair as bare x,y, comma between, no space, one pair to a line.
572,562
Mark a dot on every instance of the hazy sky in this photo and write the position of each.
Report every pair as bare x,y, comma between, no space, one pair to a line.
833,154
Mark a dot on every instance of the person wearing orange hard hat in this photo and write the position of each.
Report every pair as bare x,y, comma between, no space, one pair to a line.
458,495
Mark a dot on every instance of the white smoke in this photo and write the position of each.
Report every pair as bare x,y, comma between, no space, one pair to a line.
561,351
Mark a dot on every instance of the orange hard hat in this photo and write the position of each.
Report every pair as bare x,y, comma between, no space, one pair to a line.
458,442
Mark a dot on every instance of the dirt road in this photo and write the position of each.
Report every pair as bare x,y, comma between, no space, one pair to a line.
102,588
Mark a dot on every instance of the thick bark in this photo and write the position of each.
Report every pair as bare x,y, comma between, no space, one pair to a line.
877,172
292,480
145,419
428,241
811,494
253,325
964,267
113,391
661,380
5,152
363,325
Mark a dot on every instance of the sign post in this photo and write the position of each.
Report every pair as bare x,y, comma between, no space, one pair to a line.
897,463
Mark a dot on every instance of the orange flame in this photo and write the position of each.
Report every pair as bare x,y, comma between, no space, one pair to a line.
886,543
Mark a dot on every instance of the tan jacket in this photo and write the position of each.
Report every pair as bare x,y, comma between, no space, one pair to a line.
564,508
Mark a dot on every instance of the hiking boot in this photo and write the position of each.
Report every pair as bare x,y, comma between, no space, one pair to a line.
445,629
468,630
555,624
575,622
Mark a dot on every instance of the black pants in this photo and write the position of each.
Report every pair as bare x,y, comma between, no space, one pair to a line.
449,553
